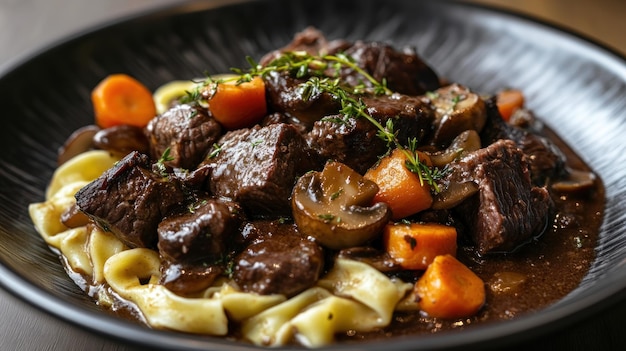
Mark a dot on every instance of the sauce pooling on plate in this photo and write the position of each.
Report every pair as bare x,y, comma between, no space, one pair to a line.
334,191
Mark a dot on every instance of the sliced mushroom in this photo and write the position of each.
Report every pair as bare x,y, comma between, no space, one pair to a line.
453,194
78,142
122,140
575,181
467,141
457,109
333,206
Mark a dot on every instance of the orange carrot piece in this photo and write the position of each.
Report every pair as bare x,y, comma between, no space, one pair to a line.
121,99
450,290
237,106
415,245
400,188
508,101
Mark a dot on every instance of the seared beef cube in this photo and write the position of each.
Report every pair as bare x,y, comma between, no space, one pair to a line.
547,162
412,116
283,262
202,233
350,141
404,71
508,210
188,278
130,200
258,168
354,141
189,133
285,95
278,118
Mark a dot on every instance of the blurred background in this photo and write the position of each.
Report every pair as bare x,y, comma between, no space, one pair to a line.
27,26
600,20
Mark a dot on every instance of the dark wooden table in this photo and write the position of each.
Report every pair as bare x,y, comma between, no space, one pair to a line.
29,25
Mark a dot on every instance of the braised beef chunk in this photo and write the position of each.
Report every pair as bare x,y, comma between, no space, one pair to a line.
283,262
404,71
508,210
202,233
412,116
278,118
130,200
546,160
258,167
185,279
352,142
285,94
188,132
355,142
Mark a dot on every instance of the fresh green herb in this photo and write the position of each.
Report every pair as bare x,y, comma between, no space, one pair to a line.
456,99
355,108
297,63
336,194
256,142
160,164
321,73
196,205
432,95
216,151
426,174
326,217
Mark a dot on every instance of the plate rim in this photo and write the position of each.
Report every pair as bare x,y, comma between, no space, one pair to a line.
34,295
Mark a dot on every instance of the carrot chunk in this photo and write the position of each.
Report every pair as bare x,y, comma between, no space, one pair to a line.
450,290
415,245
400,188
239,105
508,101
121,99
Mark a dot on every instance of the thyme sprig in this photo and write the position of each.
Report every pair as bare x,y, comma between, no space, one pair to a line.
160,166
353,107
297,63
322,72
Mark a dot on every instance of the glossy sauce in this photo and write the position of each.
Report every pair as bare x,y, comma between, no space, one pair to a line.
535,276
531,278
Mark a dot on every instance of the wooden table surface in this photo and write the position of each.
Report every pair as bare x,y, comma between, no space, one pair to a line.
28,25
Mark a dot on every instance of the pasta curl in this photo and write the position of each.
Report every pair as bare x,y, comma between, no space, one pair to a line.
352,296
134,275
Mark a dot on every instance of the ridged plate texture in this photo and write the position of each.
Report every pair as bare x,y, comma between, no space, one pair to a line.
576,87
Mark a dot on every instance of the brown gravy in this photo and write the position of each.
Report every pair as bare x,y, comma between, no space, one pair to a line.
535,276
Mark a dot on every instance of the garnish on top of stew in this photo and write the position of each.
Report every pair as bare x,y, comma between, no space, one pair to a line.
334,191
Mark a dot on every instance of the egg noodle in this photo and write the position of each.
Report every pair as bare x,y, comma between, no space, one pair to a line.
352,296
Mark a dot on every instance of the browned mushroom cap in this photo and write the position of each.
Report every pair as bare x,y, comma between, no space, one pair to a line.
575,181
333,206
456,109
465,142
79,141
122,139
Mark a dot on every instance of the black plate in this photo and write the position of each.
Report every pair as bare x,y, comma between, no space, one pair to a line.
576,86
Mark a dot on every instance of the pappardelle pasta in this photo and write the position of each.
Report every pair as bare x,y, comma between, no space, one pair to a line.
350,289
335,189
